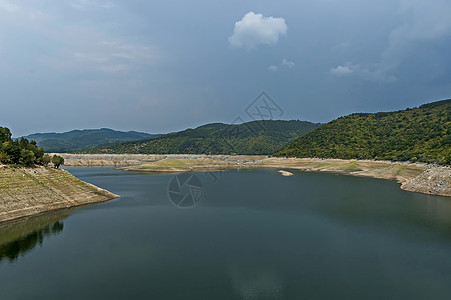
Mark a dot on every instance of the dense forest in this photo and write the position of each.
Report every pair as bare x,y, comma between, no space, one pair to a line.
417,134
257,137
83,140
23,152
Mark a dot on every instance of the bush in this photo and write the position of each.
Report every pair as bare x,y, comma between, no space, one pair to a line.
57,161
45,160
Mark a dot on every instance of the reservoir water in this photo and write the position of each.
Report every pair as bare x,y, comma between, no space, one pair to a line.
233,235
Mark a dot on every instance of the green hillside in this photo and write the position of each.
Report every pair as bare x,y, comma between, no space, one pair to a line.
257,137
418,134
83,140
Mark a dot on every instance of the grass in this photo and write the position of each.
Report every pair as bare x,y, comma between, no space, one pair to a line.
167,163
351,167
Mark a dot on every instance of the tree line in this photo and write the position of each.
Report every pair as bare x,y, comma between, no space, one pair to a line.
22,152
419,134
262,137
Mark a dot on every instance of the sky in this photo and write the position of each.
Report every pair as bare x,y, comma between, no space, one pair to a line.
161,66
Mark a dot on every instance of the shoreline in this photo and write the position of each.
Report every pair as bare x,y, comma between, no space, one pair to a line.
33,191
28,192
414,177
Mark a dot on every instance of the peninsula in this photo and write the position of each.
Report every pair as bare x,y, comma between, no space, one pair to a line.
29,187
30,191
415,177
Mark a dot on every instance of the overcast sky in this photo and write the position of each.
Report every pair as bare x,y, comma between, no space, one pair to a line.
160,66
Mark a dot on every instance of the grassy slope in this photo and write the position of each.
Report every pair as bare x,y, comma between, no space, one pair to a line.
421,134
249,138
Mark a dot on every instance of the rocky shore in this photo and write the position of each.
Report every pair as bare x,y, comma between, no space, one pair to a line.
435,181
30,191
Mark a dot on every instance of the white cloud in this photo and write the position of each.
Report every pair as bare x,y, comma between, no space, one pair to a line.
272,68
341,71
288,63
425,22
255,29
285,63
8,6
365,73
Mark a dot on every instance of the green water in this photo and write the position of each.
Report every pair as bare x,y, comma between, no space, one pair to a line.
246,235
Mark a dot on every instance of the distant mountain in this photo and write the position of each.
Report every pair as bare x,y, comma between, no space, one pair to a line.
257,137
418,134
83,140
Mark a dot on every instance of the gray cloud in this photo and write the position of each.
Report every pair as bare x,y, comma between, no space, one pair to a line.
141,65
113,56
8,6
423,23
87,4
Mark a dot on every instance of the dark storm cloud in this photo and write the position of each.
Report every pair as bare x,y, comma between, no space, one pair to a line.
158,66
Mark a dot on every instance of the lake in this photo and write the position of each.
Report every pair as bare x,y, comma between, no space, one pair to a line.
233,235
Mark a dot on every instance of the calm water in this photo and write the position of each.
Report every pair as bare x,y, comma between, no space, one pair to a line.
250,235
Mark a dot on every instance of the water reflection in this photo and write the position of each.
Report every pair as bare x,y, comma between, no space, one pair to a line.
17,238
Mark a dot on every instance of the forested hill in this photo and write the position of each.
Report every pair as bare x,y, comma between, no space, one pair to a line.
83,140
257,137
417,134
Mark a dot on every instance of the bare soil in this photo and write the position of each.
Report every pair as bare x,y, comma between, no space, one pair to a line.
30,191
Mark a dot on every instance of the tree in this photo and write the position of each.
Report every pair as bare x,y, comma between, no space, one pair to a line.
26,158
12,151
45,160
5,135
4,158
57,161
23,143
38,153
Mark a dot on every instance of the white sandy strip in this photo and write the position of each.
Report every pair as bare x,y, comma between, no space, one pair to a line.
285,173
